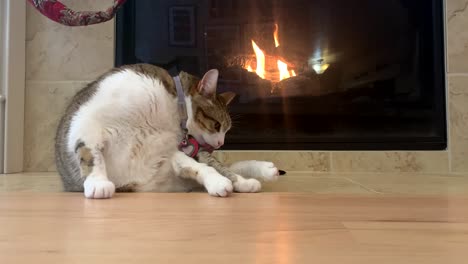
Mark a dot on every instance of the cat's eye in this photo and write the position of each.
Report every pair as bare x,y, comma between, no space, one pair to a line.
217,126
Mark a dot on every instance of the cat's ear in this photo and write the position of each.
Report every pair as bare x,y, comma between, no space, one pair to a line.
227,97
207,86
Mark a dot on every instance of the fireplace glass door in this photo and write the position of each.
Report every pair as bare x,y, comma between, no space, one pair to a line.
308,74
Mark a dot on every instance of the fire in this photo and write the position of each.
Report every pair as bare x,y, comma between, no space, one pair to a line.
275,36
261,58
283,69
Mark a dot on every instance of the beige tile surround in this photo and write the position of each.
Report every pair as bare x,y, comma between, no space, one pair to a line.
62,59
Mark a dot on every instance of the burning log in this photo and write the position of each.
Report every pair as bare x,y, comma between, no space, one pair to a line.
243,61
298,86
273,62
271,71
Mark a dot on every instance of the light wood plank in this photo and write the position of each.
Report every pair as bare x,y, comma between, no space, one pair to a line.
244,228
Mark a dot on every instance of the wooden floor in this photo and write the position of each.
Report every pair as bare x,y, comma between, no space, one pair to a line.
271,227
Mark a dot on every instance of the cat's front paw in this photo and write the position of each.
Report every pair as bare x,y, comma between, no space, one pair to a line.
267,171
243,185
217,185
98,188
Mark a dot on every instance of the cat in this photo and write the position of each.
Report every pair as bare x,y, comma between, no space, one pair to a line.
122,131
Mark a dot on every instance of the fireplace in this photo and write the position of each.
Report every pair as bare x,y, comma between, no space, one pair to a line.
309,75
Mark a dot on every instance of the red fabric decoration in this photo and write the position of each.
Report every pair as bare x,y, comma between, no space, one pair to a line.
58,12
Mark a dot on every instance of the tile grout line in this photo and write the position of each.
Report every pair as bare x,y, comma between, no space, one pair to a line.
332,164
457,74
363,186
449,125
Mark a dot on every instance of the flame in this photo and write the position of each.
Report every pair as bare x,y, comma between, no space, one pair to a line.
283,69
275,36
260,60
261,69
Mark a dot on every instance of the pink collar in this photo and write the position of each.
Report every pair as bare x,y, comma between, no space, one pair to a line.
191,147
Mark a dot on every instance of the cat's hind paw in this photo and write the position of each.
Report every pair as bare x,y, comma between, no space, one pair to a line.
267,171
96,188
243,185
260,170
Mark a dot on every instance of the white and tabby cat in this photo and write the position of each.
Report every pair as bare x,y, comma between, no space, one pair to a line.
122,132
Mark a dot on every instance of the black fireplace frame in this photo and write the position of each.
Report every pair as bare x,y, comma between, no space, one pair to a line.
124,45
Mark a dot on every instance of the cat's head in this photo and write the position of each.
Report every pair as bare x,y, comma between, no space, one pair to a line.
208,117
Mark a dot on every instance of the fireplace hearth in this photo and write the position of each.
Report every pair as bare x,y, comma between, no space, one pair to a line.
309,75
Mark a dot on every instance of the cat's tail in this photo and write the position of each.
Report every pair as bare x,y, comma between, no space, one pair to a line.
67,164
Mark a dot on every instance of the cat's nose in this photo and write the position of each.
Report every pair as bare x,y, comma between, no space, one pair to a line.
220,143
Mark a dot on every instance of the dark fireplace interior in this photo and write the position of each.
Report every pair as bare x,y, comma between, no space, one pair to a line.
308,74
